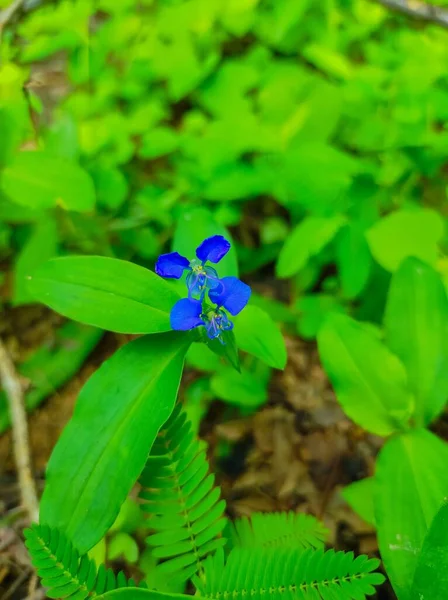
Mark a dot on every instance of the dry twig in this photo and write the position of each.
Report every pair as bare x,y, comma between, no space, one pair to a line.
14,393
419,10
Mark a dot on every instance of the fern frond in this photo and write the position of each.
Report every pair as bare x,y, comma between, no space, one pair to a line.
286,574
181,500
289,530
63,571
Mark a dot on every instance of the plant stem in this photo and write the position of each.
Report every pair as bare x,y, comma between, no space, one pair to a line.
419,10
13,389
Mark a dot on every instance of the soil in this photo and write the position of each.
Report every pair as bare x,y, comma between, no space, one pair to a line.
295,453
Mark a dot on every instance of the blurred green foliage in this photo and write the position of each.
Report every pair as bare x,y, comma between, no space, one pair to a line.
316,132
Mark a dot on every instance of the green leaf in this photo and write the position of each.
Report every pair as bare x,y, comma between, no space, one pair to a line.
105,292
411,484
241,389
193,227
353,260
369,381
360,497
40,180
406,233
313,309
227,350
305,241
53,364
40,247
431,574
123,545
103,449
416,325
257,334
140,594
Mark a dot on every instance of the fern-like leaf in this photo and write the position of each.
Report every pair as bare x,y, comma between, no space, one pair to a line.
63,571
181,500
288,574
265,530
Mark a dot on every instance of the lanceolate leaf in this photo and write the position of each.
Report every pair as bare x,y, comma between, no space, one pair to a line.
305,241
369,381
431,574
416,323
104,448
411,484
257,334
105,292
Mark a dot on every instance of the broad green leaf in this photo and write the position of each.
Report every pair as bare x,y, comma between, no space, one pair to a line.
431,574
369,381
360,497
40,247
305,241
416,325
103,449
411,485
257,334
40,180
105,292
406,233
353,260
53,364
193,227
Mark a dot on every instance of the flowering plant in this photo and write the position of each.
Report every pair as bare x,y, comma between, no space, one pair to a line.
204,287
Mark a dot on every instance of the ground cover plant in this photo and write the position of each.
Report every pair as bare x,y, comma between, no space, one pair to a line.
226,182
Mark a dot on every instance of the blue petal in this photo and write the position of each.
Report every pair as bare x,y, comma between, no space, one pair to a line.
186,314
213,249
233,297
171,265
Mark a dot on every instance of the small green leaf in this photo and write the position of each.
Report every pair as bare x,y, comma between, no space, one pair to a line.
406,233
193,227
40,180
305,241
123,545
105,292
353,260
227,350
416,324
241,389
257,334
360,497
103,449
369,381
411,484
40,247
431,574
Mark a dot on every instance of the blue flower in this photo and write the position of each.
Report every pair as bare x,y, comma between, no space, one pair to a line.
201,277
227,294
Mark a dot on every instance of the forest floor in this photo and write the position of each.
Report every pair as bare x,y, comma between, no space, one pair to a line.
296,453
